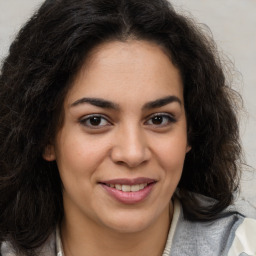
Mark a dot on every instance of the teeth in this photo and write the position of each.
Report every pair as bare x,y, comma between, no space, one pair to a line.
128,188
143,185
135,188
118,187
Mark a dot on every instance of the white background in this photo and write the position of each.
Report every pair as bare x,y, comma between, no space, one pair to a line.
233,25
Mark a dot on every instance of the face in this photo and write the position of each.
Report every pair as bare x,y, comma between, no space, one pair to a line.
121,149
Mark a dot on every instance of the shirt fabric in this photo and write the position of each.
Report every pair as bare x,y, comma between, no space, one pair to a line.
230,235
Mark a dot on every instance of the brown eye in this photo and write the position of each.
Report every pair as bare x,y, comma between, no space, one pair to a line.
160,120
94,121
157,120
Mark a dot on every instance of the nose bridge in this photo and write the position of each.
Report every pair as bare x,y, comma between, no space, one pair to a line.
130,146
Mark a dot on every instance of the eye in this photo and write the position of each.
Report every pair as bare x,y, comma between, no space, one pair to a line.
160,120
94,121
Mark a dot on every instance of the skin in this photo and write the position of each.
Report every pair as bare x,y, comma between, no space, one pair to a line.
126,142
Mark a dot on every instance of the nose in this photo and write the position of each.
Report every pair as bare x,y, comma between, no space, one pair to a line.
130,148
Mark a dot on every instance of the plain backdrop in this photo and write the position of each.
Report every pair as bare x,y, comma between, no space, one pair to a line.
233,26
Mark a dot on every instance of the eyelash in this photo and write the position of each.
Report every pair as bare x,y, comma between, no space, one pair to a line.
168,118
101,118
89,118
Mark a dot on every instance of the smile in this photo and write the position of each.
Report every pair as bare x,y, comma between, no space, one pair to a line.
128,188
129,191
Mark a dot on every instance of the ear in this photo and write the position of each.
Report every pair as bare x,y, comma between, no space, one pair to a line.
49,153
188,148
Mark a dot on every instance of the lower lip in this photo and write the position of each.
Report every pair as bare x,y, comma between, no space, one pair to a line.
129,197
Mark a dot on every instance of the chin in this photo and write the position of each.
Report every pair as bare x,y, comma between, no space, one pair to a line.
129,224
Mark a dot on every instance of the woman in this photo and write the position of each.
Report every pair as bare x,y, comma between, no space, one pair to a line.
119,135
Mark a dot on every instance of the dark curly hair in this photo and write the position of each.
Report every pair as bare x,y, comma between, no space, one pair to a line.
36,75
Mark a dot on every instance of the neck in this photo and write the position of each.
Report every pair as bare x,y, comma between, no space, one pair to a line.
90,239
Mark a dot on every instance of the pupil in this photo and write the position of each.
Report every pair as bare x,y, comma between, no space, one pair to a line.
95,120
157,120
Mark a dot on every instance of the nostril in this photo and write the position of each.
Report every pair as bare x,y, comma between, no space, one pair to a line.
121,163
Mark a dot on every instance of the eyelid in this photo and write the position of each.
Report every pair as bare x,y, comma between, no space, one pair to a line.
171,118
85,118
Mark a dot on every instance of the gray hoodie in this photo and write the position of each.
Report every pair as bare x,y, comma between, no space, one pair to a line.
230,235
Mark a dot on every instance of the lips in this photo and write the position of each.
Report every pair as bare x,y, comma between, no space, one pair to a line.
129,191
128,188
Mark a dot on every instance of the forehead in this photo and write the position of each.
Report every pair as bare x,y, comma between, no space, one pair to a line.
138,69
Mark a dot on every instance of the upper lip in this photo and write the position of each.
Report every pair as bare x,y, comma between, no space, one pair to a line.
125,181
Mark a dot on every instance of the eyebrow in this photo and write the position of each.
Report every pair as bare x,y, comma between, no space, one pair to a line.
98,102
161,102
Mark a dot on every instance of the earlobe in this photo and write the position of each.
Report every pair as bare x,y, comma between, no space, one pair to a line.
188,148
49,153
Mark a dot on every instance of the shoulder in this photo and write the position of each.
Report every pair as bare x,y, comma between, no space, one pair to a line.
47,249
6,249
244,242
223,236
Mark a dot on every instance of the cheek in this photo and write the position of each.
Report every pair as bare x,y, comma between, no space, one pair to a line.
171,153
78,155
